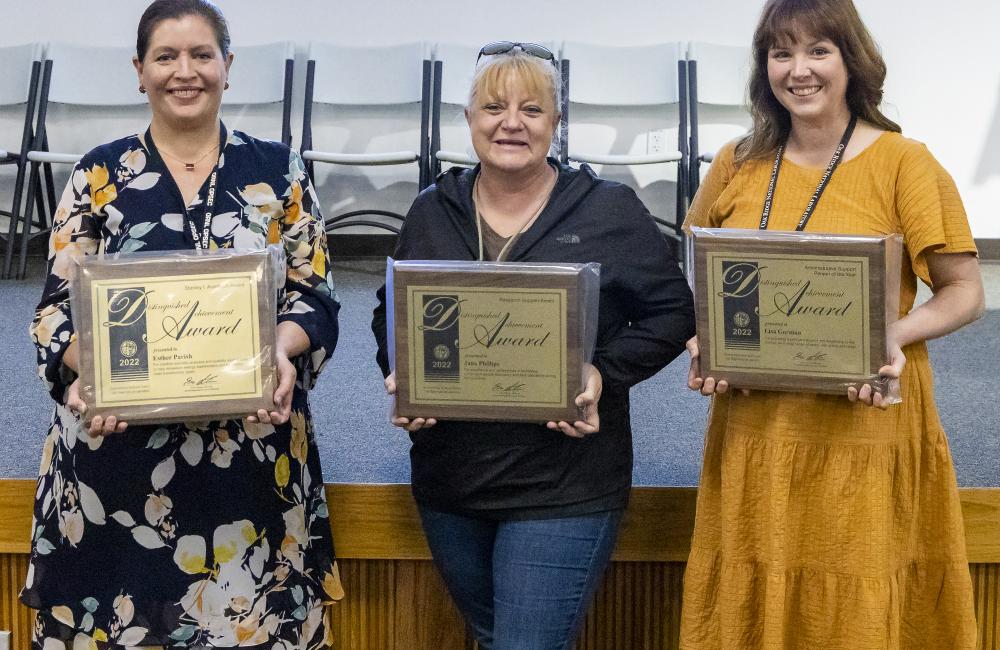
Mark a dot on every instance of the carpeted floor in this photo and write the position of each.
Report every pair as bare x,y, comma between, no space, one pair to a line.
359,446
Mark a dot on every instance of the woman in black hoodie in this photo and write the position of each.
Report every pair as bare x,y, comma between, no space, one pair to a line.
521,518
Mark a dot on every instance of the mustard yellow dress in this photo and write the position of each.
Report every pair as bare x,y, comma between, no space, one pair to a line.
823,524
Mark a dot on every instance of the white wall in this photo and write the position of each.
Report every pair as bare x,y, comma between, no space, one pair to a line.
943,84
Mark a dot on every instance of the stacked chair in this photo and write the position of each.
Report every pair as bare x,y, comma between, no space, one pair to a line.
367,83
18,89
717,78
636,119
68,79
260,78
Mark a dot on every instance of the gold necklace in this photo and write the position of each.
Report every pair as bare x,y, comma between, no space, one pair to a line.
189,166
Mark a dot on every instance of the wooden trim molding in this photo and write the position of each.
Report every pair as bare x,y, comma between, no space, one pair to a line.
380,522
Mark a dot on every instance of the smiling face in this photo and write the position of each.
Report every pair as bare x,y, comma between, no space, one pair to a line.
808,77
512,127
184,72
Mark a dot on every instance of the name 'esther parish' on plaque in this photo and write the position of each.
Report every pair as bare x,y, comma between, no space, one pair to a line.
177,336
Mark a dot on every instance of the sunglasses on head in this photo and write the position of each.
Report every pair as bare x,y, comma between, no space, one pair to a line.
503,47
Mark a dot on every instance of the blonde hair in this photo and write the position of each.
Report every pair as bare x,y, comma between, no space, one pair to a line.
495,73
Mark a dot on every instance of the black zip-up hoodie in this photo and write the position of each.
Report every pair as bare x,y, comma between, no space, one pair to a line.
525,471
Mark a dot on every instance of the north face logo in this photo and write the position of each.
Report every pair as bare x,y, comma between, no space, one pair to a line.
568,239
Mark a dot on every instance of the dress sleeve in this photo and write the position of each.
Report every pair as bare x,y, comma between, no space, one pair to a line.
657,301
931,213
716,180
75,232
310,299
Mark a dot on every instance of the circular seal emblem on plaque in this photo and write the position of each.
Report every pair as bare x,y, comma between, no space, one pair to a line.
128,348
741,319
441,352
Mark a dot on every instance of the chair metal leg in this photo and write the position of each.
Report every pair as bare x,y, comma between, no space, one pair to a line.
33,180
15,215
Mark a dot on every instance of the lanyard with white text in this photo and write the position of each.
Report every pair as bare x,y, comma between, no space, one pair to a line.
205,240
811,206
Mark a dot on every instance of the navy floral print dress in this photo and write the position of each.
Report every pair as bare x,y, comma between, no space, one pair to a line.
201,534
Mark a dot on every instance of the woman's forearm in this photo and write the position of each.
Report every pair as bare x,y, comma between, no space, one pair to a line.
958,300
71,357
292,340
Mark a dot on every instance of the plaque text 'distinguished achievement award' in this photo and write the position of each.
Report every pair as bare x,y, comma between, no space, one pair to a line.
177,336
490,340
795,311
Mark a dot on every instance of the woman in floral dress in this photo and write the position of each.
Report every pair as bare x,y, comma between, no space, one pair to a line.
200,534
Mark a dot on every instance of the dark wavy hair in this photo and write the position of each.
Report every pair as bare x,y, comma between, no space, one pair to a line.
836,20
161,10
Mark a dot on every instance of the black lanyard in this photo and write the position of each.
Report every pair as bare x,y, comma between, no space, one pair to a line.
205,240
823,182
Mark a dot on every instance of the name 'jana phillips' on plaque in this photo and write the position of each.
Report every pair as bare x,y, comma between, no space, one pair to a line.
490,340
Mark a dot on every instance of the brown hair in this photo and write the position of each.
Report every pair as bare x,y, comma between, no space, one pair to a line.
836,20
161,10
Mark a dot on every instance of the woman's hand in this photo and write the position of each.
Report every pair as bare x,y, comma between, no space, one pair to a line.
891,372
404,423
282,393
97,426
708,385
290,342
587,400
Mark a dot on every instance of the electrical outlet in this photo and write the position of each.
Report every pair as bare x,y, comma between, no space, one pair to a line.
656,142
4,640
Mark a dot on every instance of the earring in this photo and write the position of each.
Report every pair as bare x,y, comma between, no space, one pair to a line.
142,89
226,87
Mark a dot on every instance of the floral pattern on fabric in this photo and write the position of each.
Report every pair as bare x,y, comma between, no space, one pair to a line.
199,534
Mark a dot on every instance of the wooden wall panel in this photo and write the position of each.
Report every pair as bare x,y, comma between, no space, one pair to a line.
395,605
395,599
638,607
14,616
986,586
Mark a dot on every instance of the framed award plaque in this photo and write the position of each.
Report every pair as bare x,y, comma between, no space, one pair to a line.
795,311
172,337
491,340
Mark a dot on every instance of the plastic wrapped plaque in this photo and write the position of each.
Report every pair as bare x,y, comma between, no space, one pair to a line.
795,311
177,335
503,341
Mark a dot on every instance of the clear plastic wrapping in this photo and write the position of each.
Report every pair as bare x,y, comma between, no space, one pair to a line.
503,341
177,335
796,311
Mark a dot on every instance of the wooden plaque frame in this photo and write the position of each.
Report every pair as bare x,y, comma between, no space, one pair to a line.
162,266
489,276
884,258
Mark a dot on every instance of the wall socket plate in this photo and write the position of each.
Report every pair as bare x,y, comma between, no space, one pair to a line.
4,640
656,142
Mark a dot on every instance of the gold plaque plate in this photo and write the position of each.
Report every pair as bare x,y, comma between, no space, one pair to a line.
176,337
491,341
795,311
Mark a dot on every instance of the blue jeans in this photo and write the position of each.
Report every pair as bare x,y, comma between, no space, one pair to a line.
522,585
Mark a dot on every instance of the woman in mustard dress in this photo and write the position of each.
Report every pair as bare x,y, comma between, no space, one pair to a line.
830,521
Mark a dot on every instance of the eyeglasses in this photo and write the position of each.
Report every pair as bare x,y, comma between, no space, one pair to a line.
502,47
